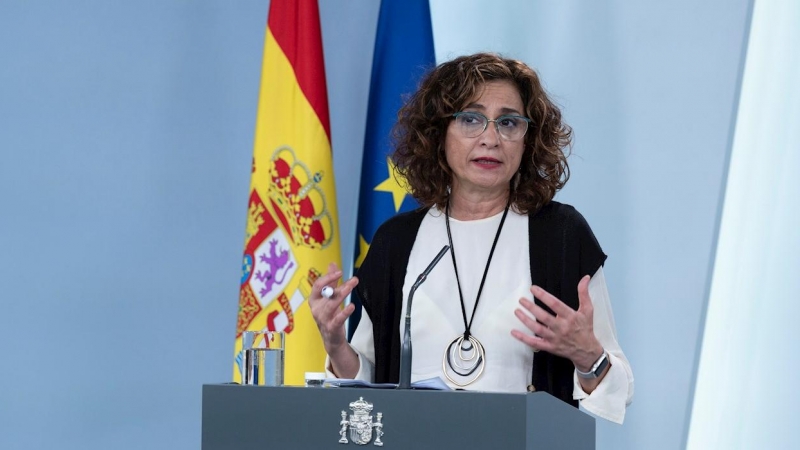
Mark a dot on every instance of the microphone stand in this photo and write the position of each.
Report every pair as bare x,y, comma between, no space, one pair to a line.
405,350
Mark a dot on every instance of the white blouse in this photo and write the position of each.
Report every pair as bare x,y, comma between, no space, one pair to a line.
436,316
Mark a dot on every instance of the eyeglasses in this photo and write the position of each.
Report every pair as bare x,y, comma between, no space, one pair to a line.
510,127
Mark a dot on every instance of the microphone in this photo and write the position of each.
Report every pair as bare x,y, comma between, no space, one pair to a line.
405,350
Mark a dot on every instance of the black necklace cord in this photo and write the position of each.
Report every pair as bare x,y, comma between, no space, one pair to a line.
468,325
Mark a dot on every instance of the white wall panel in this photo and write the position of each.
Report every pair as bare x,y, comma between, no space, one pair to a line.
745,396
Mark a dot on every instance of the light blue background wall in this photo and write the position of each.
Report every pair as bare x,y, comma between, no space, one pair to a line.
125,130
126,136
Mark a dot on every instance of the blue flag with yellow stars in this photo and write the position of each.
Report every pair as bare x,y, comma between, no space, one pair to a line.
403,53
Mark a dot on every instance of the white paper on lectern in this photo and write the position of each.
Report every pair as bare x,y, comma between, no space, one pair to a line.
435,383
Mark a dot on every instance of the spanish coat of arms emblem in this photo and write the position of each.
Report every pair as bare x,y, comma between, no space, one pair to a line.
361,425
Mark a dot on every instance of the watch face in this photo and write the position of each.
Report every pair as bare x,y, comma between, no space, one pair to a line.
601,365
597,368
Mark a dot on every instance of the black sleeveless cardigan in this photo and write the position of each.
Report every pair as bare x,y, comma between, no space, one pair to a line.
562,250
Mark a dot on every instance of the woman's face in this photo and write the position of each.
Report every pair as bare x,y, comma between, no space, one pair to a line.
485,164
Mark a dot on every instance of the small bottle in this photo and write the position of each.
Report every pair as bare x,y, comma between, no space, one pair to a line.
315,379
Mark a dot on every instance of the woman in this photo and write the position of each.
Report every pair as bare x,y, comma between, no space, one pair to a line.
482,149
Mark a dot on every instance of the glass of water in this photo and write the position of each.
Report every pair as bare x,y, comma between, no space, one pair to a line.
262,358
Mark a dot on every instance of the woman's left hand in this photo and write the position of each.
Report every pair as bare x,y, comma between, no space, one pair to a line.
567,333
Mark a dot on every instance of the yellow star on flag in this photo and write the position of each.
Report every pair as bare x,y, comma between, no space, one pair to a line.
363,248
391,185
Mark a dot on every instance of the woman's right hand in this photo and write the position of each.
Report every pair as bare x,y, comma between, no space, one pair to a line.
328,312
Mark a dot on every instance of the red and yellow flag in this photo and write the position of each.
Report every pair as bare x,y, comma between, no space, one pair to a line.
291,220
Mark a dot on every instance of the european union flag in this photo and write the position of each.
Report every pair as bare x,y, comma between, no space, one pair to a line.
403,53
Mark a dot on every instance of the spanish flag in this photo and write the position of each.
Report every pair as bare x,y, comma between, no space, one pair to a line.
292,229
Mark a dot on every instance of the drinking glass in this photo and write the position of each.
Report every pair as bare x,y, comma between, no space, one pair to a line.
263,354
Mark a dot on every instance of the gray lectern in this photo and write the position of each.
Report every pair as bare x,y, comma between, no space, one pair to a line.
259,417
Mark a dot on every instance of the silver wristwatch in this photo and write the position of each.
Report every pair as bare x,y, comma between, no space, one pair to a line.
597,368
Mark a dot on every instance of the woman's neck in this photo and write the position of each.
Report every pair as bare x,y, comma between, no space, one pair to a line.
474,206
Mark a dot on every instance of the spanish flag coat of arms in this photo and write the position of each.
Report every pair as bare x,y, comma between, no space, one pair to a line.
292,229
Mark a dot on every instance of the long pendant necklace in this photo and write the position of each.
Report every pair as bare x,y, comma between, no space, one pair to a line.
465,355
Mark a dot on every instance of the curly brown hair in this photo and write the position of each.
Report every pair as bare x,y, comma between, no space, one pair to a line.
422,122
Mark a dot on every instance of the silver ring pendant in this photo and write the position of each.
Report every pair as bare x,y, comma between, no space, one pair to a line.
464,358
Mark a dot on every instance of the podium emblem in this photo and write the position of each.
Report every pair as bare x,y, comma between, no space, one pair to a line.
360,424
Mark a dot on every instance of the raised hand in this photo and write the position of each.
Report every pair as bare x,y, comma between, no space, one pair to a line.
568,333
328,312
